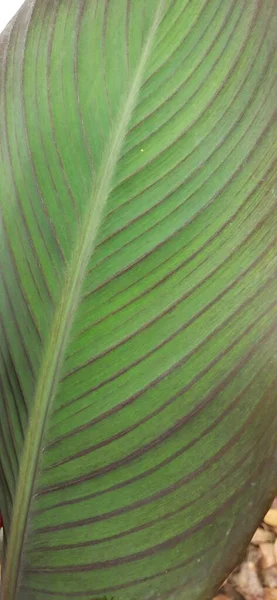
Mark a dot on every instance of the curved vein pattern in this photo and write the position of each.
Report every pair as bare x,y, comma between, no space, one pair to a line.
138,293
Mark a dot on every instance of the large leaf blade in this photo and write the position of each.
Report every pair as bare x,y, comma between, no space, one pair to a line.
174,325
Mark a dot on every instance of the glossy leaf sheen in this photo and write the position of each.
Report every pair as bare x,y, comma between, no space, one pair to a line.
138,294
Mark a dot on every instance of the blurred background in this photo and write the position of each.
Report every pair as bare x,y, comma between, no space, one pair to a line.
7,11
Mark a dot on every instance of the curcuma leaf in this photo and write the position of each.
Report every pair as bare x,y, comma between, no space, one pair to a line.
138,294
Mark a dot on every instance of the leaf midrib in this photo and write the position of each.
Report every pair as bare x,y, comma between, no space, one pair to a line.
62,322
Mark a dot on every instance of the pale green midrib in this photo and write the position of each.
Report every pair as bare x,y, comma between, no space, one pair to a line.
60,331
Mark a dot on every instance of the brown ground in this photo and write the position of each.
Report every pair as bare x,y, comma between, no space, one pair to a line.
256,577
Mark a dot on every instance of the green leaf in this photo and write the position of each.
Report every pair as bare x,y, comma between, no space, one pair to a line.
138,294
